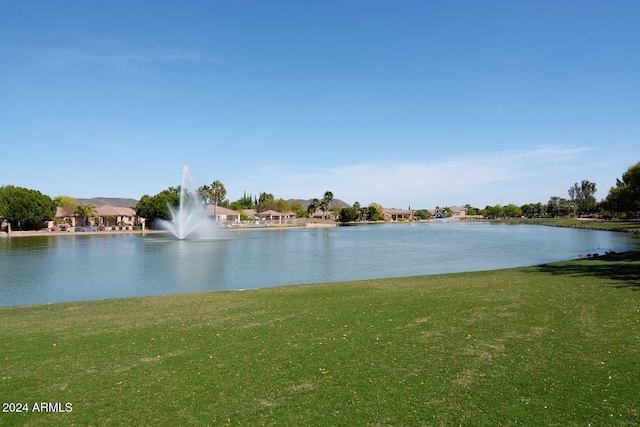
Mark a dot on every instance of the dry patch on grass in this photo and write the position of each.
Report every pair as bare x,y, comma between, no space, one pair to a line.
533,333
478,315
306,386
415,322
268,404
486,350
430,335
468,376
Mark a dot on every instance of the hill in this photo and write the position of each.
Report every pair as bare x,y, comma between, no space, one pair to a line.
109,201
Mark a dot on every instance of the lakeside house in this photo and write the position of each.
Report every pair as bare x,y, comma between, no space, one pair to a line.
324,215
107,216
223,214
64,215
110,216
272,215
397,214
251,213
458,211
439,213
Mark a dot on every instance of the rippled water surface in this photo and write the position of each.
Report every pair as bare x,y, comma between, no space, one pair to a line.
82,267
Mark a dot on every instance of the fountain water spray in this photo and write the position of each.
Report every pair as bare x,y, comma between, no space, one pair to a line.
190,219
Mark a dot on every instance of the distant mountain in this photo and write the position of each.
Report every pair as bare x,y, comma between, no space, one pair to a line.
335,202
109,201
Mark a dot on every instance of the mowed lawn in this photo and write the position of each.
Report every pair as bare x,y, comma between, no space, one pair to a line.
629,226
550,345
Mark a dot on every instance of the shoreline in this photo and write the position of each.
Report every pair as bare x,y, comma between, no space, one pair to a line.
630,227
585,225
40,233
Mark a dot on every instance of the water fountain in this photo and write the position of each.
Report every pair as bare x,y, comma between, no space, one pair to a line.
190,219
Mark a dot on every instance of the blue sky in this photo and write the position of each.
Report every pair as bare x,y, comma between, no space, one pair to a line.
418,103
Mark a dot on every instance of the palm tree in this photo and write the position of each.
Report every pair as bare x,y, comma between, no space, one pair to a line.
326,200
218,192
313,207
86,211
204,192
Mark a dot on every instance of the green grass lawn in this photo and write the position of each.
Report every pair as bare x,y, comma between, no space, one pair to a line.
632,226
557,344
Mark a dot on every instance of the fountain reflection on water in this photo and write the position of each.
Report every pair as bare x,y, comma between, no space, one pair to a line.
190,219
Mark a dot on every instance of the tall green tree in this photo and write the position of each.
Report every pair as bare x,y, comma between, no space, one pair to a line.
361,212
325,202
204,192
25,209
582,196
298,209
245,202
348,215
266,202
214,194
3,206
533,210
375,212
313,207
493,212
558,206
512,211
423,214
157,207
471,210
625,196
282,206
64,201
219,193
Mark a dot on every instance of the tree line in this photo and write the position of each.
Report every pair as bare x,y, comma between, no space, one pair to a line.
27,209
622,202
156,207
373,212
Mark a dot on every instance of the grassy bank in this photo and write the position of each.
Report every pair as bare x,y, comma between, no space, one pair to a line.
549,345
624,226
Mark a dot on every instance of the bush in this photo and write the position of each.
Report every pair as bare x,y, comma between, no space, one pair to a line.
348,215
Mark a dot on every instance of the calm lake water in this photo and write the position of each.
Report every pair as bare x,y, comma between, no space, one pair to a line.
45,269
